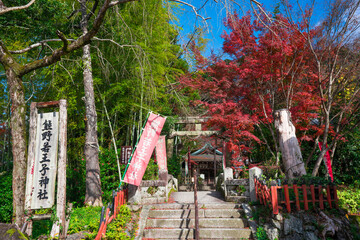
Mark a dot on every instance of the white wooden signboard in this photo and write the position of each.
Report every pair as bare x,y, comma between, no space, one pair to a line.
46,159
45,166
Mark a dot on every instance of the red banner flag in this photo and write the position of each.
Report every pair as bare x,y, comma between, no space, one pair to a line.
160,150
144,149
327,162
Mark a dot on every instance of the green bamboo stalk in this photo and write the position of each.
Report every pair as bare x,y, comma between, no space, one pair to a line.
137,141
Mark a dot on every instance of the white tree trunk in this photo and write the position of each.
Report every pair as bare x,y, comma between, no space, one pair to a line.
289,145
91,150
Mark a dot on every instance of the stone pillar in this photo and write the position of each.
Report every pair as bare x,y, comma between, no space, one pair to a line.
228,173
253,172
170,148
163,175
134,194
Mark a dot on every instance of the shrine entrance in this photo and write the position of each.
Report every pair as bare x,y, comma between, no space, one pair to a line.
207,162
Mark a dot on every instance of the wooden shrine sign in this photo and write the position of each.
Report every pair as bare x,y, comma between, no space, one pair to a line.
43,169
125,154
46,159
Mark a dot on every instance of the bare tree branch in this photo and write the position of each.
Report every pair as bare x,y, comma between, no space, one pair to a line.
113,3
63,39
38,44
4,9
193,8
114,42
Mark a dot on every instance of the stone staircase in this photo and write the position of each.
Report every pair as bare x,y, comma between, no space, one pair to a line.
177,221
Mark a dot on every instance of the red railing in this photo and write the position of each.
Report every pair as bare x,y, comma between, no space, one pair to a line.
110,213
275,196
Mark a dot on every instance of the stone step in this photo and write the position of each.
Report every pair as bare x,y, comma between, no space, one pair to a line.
237,199
190,213
203,223
184,188
205,233
201,205
153,200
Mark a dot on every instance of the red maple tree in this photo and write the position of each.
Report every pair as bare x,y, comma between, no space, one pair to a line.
276,63
269,68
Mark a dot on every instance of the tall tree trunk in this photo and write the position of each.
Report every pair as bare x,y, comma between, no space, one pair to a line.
324,147
18,133
91,150
289,145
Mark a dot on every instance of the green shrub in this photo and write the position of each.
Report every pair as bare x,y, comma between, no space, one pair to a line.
117,229
6,200
42,227
109,176
152,171
240,189
75,182
85,219
349,199
109,173
174,166
261,234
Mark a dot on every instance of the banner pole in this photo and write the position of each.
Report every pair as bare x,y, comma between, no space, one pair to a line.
137,141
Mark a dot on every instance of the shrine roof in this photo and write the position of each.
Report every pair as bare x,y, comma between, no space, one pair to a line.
206,149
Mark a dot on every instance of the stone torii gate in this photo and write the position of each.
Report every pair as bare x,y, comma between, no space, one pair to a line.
194,120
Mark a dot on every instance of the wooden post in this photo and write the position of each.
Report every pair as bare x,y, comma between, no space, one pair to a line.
260,189
312,189
328,196
321,198
268,196
296,197
274,198
196,207
122,196
304,190
61,176
215,163
116,202
189,165
335,197
30,164
256,188
103,232
287,198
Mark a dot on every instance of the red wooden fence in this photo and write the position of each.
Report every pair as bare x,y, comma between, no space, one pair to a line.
275,196
119,198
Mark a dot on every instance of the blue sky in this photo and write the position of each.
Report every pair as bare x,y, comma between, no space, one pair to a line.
217,12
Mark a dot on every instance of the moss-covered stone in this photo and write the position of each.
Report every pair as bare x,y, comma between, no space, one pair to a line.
10,232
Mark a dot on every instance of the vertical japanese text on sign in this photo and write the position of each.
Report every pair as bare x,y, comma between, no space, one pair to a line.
144,149
44,171
161,153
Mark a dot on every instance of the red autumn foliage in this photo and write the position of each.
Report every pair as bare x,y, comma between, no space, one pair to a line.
269,68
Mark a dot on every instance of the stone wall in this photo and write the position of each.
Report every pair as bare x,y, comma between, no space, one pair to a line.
153,191
309,225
